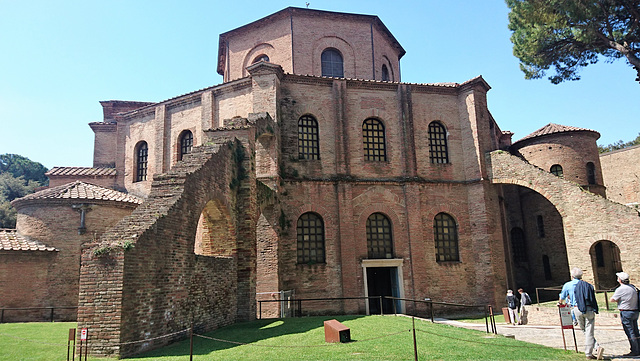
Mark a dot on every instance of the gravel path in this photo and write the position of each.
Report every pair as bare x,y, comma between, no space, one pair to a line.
612,338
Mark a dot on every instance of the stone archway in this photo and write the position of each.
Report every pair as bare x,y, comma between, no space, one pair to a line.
215,235
605,260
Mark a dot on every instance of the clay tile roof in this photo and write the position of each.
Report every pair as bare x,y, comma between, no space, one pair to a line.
553,128
82,191
81,171
11,240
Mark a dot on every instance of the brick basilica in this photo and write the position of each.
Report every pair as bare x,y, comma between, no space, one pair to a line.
313,171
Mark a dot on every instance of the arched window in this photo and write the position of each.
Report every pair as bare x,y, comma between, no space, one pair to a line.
142,156
599,255
308,141
438,143
546,265
186,143
445,234
591,173
310,239
556,170
374,140
385,73
379,238
260,58
518,245
331,60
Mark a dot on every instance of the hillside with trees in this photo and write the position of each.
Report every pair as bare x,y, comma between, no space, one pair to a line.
19,176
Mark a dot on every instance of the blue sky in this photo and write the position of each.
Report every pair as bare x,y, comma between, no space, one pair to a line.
58,59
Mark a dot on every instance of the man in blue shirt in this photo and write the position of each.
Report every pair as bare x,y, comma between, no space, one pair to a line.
586,317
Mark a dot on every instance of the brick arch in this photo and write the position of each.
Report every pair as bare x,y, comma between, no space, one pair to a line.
586,217
143,272
215,234
348,55
262,48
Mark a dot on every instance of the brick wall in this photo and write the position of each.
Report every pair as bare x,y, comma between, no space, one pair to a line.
587,218
621,174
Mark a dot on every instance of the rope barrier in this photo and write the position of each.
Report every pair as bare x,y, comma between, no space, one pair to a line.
481,342
303,346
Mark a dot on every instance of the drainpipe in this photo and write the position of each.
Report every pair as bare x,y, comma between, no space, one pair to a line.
83,209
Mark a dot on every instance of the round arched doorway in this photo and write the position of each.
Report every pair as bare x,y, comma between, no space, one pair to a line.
605,260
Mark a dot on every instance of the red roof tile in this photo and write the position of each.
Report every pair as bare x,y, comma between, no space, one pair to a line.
11,240
82,191
81,171
552,128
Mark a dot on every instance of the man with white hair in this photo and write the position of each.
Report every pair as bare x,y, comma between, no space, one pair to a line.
582,298
626,296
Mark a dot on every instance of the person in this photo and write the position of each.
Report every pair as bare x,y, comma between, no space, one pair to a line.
525,300
626,296
511,304
582,298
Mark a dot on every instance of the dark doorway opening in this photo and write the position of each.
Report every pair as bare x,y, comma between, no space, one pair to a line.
382,281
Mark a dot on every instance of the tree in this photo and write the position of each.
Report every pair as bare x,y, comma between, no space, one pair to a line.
19,176
570,34
619,145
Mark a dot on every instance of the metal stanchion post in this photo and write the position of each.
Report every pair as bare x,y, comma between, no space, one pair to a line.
415,344
191,343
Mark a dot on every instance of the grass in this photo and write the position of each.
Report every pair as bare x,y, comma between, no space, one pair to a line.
375,338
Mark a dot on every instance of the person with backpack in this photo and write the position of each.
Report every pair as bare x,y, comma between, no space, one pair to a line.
525,300
513,306
626,295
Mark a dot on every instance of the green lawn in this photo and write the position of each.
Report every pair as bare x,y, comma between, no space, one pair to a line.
375,338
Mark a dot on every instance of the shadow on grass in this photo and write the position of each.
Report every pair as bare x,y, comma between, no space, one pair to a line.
243,333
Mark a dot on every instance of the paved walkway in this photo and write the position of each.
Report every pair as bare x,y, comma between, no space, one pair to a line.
612,338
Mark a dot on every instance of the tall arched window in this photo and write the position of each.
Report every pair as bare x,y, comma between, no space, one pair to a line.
385,73
438,151
308,141
556,170
591,173
518,245
373,139
540,223
332,64
142,156
186,143
445,233
310,239
379,238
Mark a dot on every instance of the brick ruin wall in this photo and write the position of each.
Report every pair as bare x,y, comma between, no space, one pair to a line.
142,279
621,170
587,218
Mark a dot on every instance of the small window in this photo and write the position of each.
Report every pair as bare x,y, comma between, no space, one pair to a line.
186,143
438,151
385,73
142,155
374,140
540,222
332,64
308,143
260,58
518,245
591,173
379,241
445,234
310,239
546,265
556,170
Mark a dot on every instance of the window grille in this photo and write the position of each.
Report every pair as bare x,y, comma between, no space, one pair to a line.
310,229
445,233
379,239
142,154
308,140
332,64
186,143
374,140
438,151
